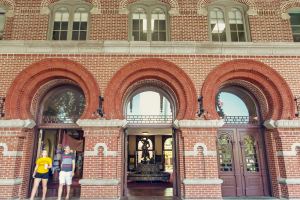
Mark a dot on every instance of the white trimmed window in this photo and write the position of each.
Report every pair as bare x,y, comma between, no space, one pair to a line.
295,23
70,20
3,10
149,21
228,22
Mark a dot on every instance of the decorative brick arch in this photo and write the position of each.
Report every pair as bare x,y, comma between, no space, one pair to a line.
46,3
124,3
288,4
250,3
9,3
274,87
154,69
28,82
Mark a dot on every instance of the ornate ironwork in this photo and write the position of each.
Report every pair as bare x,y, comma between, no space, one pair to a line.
100,109
240,120
1,107
251,154
297,106
201,109
149,119
60,119
225,153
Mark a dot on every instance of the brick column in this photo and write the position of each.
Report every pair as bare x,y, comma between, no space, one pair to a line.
199,176
102,167
285,167
15,142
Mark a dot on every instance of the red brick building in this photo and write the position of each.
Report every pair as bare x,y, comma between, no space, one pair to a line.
180,49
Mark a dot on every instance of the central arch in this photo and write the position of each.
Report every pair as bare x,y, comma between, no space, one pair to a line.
151,69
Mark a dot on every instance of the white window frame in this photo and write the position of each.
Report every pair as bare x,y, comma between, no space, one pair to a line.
71,5
149,6
225,6
294,10
3,10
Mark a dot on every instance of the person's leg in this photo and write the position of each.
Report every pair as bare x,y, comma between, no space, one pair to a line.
62,181
60,188
68,191
44,183
35,186
69,183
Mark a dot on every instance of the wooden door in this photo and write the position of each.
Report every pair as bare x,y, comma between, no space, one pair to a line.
241,162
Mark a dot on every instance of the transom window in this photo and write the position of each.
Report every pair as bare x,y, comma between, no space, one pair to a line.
295,24
149,21
228,22
3,10
70,20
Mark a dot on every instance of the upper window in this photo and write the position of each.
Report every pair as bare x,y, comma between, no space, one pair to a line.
228,22
3,10
69,20
295,24
149,21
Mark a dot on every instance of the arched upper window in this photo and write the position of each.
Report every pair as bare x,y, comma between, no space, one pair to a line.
63,105
149,21
235,106
69,20
228,22
295,23
3,10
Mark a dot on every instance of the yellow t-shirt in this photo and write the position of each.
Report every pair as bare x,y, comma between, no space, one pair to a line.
41,163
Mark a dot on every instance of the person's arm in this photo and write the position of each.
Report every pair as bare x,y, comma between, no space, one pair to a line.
73,167
50,165
34,172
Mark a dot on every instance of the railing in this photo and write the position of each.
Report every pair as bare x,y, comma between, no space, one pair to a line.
240,120
149,119
60,119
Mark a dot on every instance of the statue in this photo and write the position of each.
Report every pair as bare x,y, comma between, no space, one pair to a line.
145,147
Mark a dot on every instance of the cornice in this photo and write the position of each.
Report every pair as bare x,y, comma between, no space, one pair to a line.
101,123
10,181
201,181
153,48
17,123
198,123
289,180
271,124
99,181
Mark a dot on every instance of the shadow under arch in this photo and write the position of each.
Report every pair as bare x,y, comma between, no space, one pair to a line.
154,69
271,83
28,82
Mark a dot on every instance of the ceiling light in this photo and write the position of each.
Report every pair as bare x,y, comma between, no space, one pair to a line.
145,133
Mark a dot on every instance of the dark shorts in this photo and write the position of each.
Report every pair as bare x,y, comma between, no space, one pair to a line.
42,176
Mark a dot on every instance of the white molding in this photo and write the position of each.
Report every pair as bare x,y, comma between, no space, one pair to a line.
10,181
252,12
10,13
201,123
202,12
285,16
204,151
289,180
173,11
124,11
102,123
201,181
289,153
105,152
99,181
10,153
17,123
95,11
153,48
45,11
271,124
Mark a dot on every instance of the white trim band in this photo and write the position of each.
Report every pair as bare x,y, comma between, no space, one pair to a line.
10,153
289,153
102,123
201,181
289,180
195,152
271,124
105,152
198,123
99,181
17,123
10,181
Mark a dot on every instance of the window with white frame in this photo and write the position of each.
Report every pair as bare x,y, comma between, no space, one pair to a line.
295,23
149,21
70,20
228,22
3,10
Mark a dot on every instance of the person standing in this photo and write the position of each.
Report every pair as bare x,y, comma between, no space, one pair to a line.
41,172
66,172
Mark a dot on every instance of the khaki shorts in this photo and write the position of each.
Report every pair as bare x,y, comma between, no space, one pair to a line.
65,178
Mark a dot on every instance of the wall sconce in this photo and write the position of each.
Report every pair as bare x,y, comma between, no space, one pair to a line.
201,110
1,107
145,133
297,106
100,109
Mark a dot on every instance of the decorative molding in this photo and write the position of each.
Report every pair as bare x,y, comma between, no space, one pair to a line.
153,48
10,153
285,16
289,180
195,152
271,124
17,123
124,11
95,11
289,153
202,12
45,11
173,11
105,152
252,12
99,181
201,123
201,181
10,181
10,13
102,123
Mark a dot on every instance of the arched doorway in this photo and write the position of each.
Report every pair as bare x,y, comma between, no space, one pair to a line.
58,110
240,144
